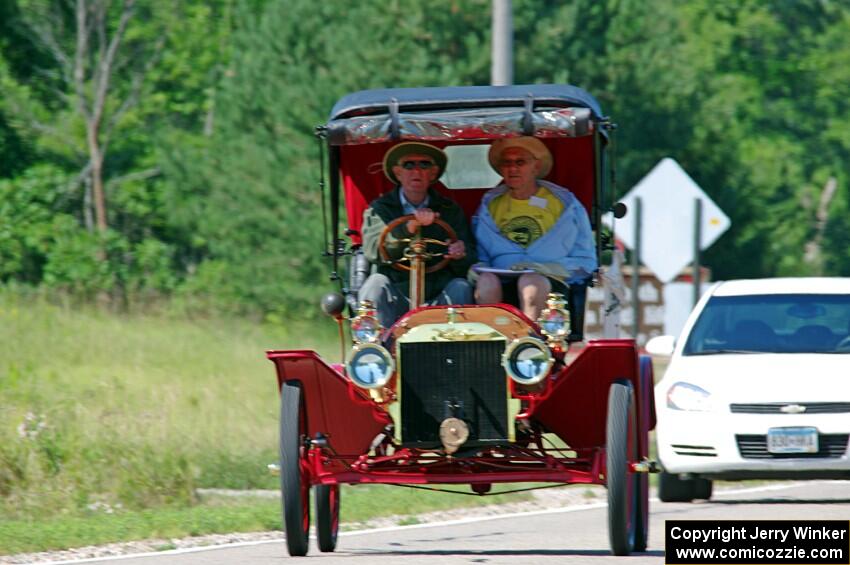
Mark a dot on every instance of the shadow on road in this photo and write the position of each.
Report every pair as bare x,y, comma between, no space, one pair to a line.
504,552
781,501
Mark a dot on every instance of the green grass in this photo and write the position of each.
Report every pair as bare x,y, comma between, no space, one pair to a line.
23,536
134,412
109,423
103,524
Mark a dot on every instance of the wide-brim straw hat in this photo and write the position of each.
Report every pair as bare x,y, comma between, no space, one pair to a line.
531,144
392,156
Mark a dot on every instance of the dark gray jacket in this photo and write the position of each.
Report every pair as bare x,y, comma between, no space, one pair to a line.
387,208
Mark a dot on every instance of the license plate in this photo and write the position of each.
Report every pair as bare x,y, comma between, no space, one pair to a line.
792,440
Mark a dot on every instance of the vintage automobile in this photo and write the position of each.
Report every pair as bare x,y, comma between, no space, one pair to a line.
471,394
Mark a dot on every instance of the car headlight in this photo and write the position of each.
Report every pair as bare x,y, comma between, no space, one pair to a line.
685,396
554,320
365,327
370,365
527,360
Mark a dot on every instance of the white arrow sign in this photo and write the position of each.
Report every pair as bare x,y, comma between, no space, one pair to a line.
667,196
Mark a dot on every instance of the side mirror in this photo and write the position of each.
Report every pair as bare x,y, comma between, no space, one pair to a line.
619,209
661,345
333,304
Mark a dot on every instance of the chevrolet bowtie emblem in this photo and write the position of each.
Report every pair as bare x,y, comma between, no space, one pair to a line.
792,409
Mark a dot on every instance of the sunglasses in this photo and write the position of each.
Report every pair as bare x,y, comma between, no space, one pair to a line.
505,163
410,165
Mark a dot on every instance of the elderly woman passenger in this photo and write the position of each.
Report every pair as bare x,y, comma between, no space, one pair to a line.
529,225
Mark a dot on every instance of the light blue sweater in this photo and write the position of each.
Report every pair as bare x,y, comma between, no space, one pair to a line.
568,243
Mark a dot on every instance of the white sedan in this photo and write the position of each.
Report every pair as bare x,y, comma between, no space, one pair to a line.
758,386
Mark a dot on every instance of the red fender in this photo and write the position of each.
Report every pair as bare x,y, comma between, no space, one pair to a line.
577,408
349,426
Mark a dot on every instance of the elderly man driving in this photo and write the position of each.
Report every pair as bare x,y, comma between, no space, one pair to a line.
413,167
530,225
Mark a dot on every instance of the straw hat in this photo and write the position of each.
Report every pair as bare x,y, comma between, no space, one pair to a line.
530,144
395,153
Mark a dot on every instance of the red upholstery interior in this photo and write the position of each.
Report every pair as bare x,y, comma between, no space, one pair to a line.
363,178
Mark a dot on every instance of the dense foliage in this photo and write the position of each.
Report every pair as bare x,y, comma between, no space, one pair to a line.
210,170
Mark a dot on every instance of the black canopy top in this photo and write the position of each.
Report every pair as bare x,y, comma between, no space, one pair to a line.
378,101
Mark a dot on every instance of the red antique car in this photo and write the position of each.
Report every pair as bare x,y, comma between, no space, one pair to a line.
473,394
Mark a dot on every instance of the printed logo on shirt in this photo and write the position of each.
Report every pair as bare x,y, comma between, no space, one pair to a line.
522,230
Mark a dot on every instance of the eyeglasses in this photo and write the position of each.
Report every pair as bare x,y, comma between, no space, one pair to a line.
410,165
505,163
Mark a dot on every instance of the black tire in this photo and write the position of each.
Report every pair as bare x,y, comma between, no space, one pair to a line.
327,516
673,489
703,489
621,448
642,512
645,410
294,481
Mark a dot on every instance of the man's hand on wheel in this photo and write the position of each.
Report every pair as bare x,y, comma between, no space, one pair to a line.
457,250
424,217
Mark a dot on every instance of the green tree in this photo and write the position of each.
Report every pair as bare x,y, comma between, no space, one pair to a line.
164,71
249,195
210,173
729,89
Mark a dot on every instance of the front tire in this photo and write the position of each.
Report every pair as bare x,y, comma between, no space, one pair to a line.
673,489
327,516
294,477
620,449
703,489
642,512
646,410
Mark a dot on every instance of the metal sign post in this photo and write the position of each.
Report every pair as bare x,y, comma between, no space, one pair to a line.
697,247
636,267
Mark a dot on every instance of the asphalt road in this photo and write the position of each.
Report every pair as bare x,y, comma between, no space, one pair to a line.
566,535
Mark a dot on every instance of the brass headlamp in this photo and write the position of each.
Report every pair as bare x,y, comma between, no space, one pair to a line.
554,320
365,327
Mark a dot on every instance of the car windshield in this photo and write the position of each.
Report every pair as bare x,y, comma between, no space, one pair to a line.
772,323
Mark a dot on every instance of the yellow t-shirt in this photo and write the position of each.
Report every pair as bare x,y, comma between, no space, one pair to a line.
523,221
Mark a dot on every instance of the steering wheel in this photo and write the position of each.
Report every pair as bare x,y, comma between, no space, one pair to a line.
397,264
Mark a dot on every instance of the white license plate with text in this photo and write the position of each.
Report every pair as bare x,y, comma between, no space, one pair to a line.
792,440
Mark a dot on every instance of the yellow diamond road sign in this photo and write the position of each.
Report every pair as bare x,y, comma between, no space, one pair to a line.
667,196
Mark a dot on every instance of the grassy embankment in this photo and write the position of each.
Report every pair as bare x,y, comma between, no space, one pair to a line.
109,424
